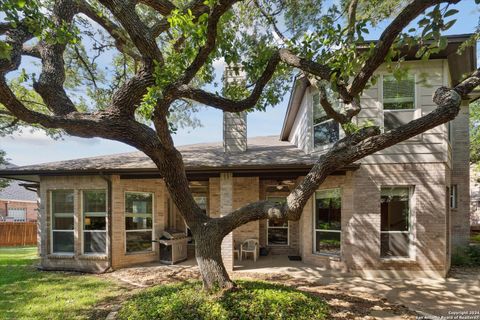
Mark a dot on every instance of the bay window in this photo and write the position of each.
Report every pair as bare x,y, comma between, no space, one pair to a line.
62,215
395,222
138,221
328,222
94,221
277,232
398,101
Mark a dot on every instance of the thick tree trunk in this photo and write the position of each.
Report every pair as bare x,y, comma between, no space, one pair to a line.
209,258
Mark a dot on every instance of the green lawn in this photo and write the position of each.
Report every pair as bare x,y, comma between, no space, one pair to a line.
26,293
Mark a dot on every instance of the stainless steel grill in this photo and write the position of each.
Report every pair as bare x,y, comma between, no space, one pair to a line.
173,246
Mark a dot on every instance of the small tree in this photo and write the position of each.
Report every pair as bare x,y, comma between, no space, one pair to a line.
3,182
160,58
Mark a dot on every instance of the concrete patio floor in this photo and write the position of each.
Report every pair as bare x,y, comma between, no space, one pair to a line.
457,295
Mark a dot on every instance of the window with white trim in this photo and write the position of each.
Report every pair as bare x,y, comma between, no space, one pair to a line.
94,221
453,196
325,130
62,210
328,222
398,101
138,221
395,222
277,232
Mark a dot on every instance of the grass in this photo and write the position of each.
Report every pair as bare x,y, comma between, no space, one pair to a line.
251,300
27,293
475,238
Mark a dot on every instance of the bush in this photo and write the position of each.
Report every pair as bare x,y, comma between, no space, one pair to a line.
467,257
251,300
475,238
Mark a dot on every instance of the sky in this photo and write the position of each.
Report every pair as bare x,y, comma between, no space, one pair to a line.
35,147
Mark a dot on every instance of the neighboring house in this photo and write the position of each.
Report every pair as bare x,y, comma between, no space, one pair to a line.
18,203
474,198
399,211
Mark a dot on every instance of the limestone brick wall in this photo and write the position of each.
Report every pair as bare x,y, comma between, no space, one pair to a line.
119,186
361,220
460,176
245,191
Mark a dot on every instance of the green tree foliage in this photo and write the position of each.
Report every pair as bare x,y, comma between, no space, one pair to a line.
248,35
475,132
3,161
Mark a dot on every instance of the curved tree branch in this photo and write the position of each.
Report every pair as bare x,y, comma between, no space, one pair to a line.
164,7
140,34
229,105
350,149
121,39
388,37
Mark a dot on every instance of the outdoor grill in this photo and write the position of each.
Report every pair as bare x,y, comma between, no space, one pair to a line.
173,246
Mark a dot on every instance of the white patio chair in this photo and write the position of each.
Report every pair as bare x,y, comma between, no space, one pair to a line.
236,251
249,246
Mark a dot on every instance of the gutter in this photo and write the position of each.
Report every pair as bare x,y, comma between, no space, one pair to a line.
108,179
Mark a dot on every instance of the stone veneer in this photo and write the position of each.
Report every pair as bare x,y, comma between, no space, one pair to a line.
76,261
360,219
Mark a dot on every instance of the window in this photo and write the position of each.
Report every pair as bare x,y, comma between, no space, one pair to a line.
201,201
398,101
395,222
94,221
277,232
17,214
62,209
328,222
138,221
449,131
325,130
453,196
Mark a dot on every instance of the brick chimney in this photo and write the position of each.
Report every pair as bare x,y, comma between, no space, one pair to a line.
234,124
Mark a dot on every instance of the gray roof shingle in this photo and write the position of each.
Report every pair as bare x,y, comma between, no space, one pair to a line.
266,151
16,192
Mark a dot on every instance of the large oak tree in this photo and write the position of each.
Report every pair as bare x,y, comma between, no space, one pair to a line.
161,55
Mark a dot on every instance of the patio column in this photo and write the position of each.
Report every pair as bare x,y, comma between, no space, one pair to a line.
226,206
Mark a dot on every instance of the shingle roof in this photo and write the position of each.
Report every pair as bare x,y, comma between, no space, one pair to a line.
16,192
266,151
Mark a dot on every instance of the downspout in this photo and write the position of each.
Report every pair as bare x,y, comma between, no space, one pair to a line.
108,179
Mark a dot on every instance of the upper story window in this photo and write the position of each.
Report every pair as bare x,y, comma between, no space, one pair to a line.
325,130
398,101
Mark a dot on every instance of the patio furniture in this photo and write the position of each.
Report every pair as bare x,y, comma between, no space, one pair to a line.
236,251
249,246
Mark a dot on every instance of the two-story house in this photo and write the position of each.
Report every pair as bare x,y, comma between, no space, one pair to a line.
399,211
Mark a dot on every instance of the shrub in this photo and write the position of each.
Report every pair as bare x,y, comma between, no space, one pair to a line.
475,238
251,300
467,257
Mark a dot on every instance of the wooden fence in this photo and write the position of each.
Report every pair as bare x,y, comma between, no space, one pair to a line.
18,233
